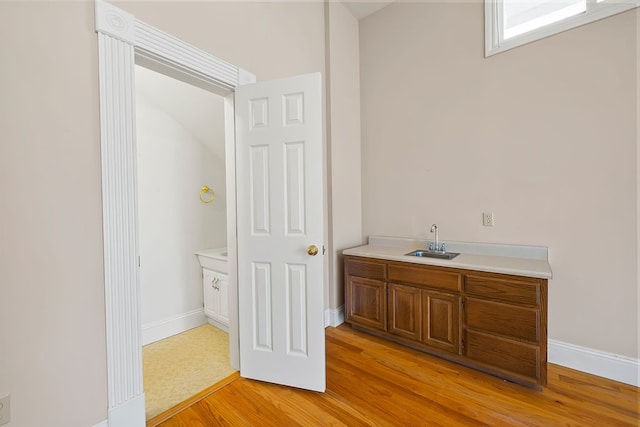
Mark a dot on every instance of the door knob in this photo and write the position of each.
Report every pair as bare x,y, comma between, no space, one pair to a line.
312,250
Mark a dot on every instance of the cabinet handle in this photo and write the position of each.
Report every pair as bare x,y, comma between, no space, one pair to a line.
215,281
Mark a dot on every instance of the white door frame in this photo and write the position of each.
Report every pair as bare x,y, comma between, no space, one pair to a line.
124,41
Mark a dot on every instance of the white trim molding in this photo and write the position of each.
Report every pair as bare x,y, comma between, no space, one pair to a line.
119,221
618,368
165,328
334,316
131,413
124,41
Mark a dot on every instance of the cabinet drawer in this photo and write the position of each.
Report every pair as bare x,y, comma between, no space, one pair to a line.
513,321
507,290
369,269
425,276
519,358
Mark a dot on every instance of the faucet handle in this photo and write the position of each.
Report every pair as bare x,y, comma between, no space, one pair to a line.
442,249
431,246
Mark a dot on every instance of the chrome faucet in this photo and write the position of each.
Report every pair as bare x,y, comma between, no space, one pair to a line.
435,246
434,229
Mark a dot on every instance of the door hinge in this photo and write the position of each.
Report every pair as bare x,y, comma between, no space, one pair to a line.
139,262
462,344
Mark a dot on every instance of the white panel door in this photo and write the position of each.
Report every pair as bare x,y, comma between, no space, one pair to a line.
280,226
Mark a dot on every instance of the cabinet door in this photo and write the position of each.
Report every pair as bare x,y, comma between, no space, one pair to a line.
441,320
222,298
405,311
366,302
209,291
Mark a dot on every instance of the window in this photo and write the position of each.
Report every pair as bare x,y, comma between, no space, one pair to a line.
511,23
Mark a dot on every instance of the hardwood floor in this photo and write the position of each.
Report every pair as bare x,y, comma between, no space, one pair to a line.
371,382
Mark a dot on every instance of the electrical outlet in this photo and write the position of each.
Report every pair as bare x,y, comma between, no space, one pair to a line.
4,409
488,219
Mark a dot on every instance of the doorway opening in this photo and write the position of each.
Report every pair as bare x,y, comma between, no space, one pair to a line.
182,238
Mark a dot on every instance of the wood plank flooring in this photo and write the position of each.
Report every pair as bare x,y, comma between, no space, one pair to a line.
371,382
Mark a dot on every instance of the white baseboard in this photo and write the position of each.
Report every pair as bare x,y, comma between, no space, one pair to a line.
104,423
334,316
129,414
162,329
618,368
218,325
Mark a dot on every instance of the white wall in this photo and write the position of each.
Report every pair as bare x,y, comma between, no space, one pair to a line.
344,142
173,165
543,135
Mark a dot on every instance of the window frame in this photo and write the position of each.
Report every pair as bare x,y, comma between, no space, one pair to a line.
493,23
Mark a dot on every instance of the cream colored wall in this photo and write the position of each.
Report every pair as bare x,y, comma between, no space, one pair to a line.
638,166
52,320
344,142
543,135
271,40
52,351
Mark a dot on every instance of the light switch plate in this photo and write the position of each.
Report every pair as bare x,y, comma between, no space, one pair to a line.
4,409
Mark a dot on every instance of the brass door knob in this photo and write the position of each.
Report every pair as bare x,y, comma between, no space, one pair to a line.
312,250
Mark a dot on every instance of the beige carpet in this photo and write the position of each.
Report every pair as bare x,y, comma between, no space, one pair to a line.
180,366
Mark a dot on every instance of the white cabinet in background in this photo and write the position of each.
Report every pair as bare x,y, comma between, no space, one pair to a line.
216,299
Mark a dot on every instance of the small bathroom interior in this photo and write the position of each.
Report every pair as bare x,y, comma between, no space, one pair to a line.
182,238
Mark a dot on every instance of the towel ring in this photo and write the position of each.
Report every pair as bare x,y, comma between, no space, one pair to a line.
204,192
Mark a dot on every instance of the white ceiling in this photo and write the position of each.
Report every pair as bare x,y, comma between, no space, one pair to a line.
362,9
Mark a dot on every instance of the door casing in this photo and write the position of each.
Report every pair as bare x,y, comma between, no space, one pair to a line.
124,41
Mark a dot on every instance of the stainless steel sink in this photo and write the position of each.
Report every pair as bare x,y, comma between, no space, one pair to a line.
433,254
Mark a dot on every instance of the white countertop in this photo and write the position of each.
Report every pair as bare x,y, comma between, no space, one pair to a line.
216,253
396,249
214,259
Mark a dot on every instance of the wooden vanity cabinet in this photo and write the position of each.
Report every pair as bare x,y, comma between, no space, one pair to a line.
415,304
495,323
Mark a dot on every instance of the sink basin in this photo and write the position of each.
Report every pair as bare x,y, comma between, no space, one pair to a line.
433,254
